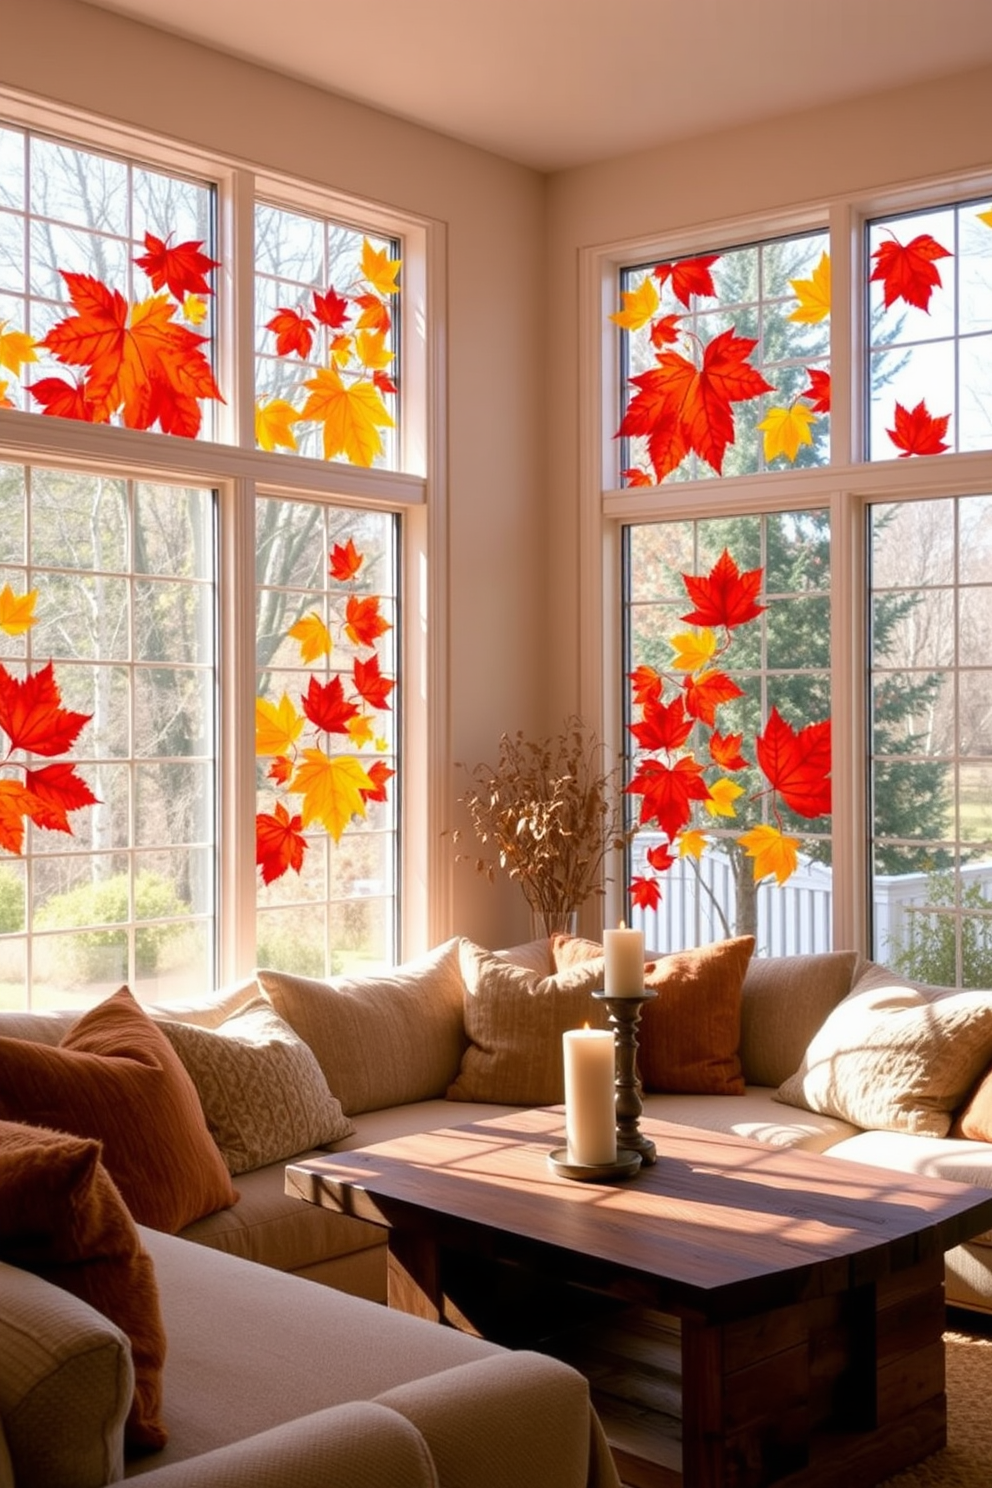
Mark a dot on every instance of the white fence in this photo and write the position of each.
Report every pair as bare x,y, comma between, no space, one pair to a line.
699,904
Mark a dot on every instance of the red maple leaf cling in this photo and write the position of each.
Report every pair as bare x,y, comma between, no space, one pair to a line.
818,392
326,706
32,717
908,272
182,269
667,792
279,843
797,765
918,432
689,276
725,597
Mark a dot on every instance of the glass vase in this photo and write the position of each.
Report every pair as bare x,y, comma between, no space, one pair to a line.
554,922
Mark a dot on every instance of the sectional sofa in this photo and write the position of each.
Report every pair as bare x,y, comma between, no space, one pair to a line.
830,1053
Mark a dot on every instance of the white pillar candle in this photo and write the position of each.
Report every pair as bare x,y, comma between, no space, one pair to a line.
624,954
590,1096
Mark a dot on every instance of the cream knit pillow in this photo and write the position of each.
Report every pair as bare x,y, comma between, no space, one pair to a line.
895,1055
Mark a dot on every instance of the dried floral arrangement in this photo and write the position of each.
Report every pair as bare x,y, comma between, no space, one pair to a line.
547,815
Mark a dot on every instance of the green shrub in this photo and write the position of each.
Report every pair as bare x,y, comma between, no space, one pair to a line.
11,901
105,903
289,948
929,953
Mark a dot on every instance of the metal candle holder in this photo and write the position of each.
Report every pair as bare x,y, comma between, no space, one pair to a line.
625,1014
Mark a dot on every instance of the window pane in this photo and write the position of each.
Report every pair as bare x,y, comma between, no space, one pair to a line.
730,755
931,581
326,308
327,737
929,305
107,275
114,847
726,362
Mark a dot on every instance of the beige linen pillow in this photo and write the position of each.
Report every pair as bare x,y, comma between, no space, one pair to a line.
514,1019
895,1055
384,1039
260,1086
784,1001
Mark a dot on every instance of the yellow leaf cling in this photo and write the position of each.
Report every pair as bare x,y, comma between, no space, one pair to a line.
372,349
194,309
693,649
313,636
379,269
785,429
17,614
638,306
813,294
273,424
350,416
771,851
360,730
723,794
16,347
331,787
277,726
986,217
692,844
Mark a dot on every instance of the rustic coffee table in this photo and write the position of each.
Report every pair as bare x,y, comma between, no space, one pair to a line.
745,1314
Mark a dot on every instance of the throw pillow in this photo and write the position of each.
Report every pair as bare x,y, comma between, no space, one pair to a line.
116,1077
974,1119
261,1088
895,1055
514,1019
63,1219
689,1033
384,1039
785,999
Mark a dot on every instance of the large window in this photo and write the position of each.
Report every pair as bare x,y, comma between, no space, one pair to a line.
801,483
201,641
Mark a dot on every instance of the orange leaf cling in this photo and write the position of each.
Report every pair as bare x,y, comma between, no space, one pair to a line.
370,684
647,685
690,276
704,694
375,314
725,751
645,893
58,789
725,596
917,432
797,765
327,707
654,412
345,561
279,843
668,792
665,331
818,392
378,772
331,309
31,715
16,803
383,382
363,622
908,273
294,333
663,725
281,769
181,268
635,477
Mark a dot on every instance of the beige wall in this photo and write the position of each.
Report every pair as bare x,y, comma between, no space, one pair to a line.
493,212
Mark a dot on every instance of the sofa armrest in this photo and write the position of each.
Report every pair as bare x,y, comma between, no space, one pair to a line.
515,1420
358,1445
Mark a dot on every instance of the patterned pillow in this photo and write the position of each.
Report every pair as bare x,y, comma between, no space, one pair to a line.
260,1086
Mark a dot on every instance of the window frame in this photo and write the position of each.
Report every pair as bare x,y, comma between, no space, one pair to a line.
237,471
847,486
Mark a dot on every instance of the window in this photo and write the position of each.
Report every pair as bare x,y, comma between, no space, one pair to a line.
202,649
873,566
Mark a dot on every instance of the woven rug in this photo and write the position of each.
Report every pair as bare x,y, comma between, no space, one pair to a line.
966,1461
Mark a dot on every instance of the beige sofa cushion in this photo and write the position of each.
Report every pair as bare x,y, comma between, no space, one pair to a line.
66,1382
514,1019
262,1091
382,1039
784,1001
895,1055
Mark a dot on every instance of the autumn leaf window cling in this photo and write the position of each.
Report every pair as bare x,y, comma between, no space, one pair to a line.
685,763
333,782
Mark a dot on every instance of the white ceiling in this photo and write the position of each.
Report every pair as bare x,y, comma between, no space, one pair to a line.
557,83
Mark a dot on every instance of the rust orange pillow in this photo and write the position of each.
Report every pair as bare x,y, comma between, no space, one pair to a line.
63,1218
974,1119
116,1078
690,1032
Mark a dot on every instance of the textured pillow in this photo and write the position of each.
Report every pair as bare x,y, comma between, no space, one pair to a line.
895,1055
514,1019
384,1039
116,1077
974,1119
63,1219
689,1033
261,1088
785,999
